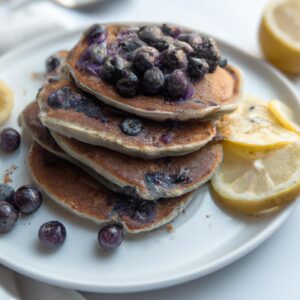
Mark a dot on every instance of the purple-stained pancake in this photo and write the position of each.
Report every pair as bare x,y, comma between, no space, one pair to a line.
74,189
94,123
216,93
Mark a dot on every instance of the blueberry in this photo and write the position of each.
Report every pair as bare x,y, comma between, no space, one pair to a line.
131,44
171,30
195,40
97,54
128,85
97,33
153,80
173,58
52,234
150,34
198,67
144,58
64,98
183,37
131,126
110,236
223,63
112,68
144,212
10,140
27,199
52,63
8,216
6,193
181,45
176,85
163,43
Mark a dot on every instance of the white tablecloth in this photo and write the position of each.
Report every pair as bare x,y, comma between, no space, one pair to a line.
270,272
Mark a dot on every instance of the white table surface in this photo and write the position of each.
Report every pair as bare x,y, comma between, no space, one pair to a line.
273,270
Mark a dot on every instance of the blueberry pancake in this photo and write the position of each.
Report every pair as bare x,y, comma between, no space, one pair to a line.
74,189
151,179
31,122
67,110
160,72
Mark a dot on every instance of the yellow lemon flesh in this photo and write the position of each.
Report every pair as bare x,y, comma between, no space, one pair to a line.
6,102
253,126
261,182
285,115
279,34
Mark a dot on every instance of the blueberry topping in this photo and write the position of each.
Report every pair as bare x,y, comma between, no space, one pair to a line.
173,58
144,58
150,34
52,63
112,68
132,44
97,33
223,63
163,180
110,236
97,54
163,43
187,48
128,85
166,138
131,126
52,234
184,37
153,80
138,210
27,199
176,85
171,30
8,216
6,193
198,67
10,140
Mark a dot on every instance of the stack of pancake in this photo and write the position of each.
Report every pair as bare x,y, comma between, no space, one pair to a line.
136,161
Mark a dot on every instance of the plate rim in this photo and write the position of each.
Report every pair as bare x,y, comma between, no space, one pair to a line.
183,277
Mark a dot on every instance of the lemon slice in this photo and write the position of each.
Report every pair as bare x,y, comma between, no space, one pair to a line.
6,102
254,127
284,115
259,183
279,34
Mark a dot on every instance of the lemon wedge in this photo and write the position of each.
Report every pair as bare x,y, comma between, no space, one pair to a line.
284,115
279,34
264,181
6,102
254,127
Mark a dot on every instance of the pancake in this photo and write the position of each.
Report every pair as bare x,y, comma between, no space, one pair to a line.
152,179
72,188
97,124
31,122
216,93
149,180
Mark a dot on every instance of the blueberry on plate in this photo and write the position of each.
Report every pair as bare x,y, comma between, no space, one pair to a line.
6,193
128,85
27,199
8,216
131,126
52,234
10,140
110,236
153,80
176,85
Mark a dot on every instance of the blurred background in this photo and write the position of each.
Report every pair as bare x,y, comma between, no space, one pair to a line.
270,272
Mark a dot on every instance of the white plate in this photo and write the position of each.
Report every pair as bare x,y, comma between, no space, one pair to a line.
205,238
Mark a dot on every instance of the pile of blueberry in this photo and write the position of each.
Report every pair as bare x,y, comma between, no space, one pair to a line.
150,60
